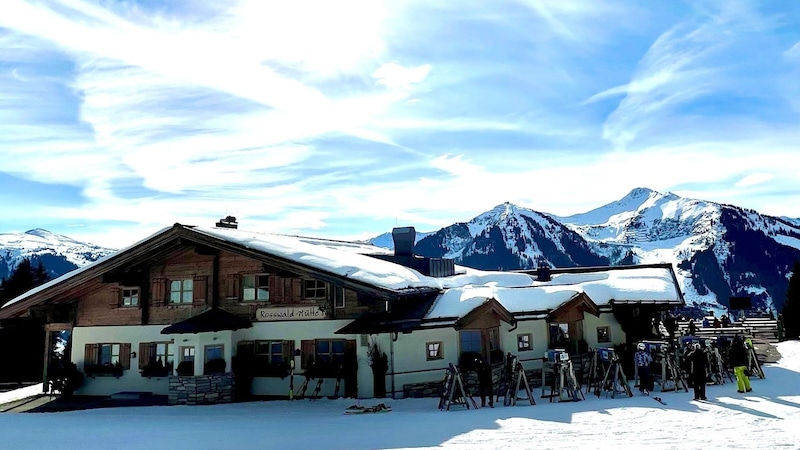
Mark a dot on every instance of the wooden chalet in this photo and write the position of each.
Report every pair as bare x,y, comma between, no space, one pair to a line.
211,314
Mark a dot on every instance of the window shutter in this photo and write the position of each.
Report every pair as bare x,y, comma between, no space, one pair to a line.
307,353
145,353
90,354
232,286
276,289
125,356
287,350
159,291
199,289
297,290
113,297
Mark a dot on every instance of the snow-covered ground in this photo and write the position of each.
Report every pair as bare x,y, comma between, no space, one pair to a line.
768,417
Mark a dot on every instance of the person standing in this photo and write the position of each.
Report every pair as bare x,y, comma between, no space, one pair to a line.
643,360
692,328
699,370
738,358
484,382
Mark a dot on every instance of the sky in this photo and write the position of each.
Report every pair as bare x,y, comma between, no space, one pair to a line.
345,119
765,418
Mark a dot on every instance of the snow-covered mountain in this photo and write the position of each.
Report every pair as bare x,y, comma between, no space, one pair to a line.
718,250
510,237
59,254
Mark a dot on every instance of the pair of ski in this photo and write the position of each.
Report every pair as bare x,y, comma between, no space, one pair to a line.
357,409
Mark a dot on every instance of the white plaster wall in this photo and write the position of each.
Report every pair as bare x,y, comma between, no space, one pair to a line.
590,324
130,380
297,331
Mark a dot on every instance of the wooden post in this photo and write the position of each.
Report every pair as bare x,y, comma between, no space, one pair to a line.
48,336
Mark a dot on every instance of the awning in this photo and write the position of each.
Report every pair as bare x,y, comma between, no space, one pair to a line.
214,319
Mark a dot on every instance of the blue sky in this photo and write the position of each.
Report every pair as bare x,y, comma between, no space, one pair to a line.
344,119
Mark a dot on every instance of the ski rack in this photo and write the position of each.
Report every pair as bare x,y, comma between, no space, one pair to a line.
454,392
512,379
669,378
564,386
606,361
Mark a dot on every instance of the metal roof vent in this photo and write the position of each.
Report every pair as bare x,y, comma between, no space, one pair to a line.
228,222
404,238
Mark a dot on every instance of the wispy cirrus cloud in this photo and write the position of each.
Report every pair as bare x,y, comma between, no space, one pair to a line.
340,118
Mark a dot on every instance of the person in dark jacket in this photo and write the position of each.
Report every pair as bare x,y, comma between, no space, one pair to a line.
484,382
699,370
738,359
692,328
643,361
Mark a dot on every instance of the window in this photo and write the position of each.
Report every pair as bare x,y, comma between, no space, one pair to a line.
108,354
524,342
214,359
338,298
559,335
326,357
434,351
255,288
156,359
180,291
130,296
330,352
186,366
471,341
603,334
107,359
268,358
313,289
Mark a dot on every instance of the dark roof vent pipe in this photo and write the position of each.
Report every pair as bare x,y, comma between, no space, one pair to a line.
543,273
228,222
404,238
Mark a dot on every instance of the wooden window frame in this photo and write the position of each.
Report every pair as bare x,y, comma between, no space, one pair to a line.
149,363
524,342
94,366
124,294
256,288
607,339
434,350
317,286
182,292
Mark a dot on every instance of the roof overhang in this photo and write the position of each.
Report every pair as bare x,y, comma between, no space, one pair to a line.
490,306
210,320
580,302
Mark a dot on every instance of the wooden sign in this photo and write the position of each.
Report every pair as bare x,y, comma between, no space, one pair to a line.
290,313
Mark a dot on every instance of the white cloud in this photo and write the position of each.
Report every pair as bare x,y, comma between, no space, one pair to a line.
395,76
754,179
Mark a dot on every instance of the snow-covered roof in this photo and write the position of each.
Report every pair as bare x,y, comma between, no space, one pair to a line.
620,285
461,293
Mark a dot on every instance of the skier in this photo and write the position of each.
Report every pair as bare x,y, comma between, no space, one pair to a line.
738,358
484,381
643,360
699,370
692,327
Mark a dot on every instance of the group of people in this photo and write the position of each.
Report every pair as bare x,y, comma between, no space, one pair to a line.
697,359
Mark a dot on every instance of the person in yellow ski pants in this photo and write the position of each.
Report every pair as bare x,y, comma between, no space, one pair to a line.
738,359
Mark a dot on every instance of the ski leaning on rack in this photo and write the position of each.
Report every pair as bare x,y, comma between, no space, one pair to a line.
515,380
291,379
454,392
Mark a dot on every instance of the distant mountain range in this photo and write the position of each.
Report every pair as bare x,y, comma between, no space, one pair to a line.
59,254
718,250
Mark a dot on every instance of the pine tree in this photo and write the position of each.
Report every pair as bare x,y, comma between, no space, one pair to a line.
791,309
24,278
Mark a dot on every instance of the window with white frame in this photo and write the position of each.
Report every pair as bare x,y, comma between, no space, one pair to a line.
180,291
255,288
314,289
130,296
338,298
434,350
524,342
